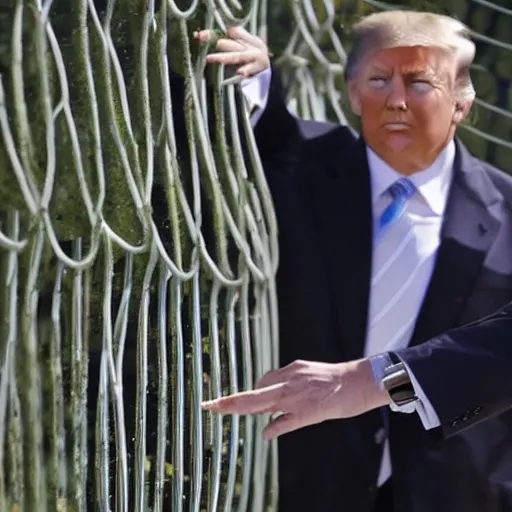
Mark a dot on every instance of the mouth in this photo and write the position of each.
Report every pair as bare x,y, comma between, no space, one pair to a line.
396,127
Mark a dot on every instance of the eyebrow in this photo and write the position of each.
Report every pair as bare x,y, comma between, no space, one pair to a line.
379,69
407,71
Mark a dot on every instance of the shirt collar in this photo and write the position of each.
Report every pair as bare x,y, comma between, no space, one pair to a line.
433,183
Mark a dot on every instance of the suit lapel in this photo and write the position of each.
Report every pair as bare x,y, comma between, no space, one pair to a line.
469,229
343,202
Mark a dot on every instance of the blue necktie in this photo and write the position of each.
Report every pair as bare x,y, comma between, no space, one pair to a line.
401,191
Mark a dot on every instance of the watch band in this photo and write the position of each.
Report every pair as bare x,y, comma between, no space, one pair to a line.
397,383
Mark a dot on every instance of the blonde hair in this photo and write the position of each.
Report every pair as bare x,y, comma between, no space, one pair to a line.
412,28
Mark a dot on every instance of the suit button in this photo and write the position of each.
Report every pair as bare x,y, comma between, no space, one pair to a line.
379,436
456,422
477,410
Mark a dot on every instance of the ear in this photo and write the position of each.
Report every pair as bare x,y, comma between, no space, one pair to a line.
461,111
354,97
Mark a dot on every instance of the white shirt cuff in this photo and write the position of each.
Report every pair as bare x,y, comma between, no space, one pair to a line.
256,92
422,406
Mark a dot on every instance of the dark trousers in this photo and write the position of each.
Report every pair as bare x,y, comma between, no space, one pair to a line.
384,501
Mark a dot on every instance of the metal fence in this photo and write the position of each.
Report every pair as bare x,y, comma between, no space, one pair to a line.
138,253
138,244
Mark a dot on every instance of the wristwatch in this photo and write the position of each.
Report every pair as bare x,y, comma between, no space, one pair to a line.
397,383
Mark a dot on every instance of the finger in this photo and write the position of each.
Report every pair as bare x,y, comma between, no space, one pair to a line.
204,36
257,401
285,373
272,378
283,425
241,33
230,59
229,45
248,70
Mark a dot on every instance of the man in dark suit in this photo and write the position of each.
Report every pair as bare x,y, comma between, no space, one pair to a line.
385,241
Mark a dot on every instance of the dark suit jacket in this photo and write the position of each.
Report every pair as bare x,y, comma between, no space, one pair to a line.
319,179
466,371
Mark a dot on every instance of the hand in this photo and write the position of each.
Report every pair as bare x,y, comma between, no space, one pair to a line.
305,393
238,48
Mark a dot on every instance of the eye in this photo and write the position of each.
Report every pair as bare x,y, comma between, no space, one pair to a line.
378,82
421,85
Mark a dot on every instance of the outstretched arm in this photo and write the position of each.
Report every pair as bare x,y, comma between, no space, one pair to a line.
466,374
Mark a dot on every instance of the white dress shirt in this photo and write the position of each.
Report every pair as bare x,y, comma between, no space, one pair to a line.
423,216
425,211
255,91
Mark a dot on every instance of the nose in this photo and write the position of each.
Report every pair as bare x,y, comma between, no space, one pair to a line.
397,98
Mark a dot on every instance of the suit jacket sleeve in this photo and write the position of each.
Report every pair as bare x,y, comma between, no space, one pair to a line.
277,129
466,373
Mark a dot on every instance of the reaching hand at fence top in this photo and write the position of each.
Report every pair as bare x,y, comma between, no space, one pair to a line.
237,48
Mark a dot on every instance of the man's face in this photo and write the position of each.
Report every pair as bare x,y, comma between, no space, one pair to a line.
407,103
